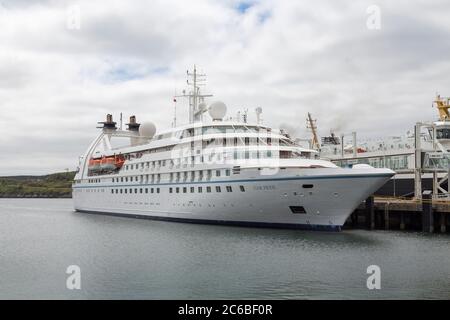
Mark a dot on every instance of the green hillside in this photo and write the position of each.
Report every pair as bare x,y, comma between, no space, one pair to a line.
56,185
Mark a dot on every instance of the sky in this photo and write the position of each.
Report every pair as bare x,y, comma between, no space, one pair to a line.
373,67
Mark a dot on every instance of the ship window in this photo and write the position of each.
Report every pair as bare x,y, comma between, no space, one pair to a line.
229,189
112,190
146,190
217,188
217,173
131,190
132,166
120,190
242,188
140,190
184,189
308,186
126,190
178,190
208,189
227,172
192,189
170,190
157,190
200,190
131,179
297,209
126,179
121,179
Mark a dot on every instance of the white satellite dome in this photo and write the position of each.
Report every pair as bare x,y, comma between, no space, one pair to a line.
147,129
217,110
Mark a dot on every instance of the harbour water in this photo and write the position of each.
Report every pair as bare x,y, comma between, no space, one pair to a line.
124,258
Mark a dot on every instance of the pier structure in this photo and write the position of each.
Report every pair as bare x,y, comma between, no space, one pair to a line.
425,214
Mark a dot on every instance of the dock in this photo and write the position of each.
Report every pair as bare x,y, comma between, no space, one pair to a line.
389,213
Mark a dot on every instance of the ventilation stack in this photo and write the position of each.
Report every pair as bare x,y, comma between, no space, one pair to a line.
133,128
109,124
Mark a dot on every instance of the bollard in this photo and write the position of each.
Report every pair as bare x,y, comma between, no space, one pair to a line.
370,213
427,212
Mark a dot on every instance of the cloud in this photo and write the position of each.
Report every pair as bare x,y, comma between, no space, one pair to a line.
288,57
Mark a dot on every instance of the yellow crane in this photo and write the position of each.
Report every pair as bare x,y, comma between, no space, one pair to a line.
311,124
442,104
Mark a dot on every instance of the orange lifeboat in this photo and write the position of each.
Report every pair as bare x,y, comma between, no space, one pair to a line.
112,163
109,163
361,150
94,164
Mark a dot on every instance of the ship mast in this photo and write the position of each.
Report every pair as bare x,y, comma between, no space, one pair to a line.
195,80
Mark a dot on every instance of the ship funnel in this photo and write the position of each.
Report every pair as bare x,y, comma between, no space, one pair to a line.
133,125
133,128
109,124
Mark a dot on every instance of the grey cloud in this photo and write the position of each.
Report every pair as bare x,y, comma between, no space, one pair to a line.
317,58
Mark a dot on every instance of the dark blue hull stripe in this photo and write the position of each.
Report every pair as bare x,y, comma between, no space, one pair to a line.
315,227
388,175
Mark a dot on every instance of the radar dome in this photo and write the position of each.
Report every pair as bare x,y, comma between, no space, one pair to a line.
217,110
147,129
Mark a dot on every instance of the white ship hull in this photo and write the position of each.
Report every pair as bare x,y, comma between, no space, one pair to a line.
267,201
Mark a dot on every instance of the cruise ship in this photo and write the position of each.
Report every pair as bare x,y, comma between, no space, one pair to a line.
217,170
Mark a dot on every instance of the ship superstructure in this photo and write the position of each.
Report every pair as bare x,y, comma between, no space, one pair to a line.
217,171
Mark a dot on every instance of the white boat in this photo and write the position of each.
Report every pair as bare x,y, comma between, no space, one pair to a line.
219,171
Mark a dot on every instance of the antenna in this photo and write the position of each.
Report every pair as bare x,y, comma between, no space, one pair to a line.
121,121
244,115
311,124
174,124
195,80
258,115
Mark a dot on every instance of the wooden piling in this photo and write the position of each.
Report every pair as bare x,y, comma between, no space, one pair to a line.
402,221
370,213
386,216
443,223
427,212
